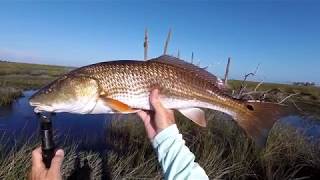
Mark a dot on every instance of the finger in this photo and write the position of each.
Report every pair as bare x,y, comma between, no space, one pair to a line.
57,162
37,158
155,101
150,129
143,115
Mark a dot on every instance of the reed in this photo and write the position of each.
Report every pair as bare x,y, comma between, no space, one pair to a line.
8,95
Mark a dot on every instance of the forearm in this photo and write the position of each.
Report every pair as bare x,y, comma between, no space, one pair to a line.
175,157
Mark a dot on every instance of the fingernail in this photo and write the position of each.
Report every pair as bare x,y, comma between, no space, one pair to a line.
59,152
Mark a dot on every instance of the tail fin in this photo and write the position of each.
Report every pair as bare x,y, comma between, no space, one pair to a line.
258,119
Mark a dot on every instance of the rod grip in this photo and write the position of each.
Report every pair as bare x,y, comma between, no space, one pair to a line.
47,143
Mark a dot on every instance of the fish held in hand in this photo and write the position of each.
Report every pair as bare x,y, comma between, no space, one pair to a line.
124,87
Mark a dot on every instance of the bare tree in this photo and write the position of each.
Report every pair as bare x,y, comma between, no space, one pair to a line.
145,44
192,56
225,80
167,42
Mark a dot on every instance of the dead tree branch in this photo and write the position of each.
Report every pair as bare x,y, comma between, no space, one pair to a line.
254,92
295,105
192,55
289,96
167,42
258,85
243,86
225,80
145,44
250,74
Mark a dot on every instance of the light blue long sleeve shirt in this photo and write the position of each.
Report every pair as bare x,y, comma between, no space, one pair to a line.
176,160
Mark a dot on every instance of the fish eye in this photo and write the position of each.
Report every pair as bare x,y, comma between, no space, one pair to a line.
250,107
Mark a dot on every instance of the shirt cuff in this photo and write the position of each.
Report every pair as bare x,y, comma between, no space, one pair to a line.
170,131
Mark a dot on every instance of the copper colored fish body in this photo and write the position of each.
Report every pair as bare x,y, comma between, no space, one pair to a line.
124,87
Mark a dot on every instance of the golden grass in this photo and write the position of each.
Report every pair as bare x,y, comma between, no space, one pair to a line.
222,150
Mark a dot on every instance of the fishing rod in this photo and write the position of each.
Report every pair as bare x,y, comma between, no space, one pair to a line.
47,143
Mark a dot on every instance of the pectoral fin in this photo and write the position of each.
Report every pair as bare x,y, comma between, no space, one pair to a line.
117,105
196,115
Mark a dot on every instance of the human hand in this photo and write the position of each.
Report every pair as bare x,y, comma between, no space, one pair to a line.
38,169
158,120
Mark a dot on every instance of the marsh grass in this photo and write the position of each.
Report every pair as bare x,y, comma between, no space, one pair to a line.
28,76
306,90
8,68
8,95
15,160
222,150
305,99
16,77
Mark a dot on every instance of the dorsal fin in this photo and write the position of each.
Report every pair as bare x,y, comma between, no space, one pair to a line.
191,68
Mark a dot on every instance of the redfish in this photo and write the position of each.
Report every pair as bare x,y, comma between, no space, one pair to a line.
124,86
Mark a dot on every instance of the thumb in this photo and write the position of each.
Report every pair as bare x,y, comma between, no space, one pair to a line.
155,100
57,162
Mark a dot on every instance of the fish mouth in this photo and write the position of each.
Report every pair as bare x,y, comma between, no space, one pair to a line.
34,103
39,109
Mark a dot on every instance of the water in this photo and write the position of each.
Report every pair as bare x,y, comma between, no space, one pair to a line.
307,126
19,120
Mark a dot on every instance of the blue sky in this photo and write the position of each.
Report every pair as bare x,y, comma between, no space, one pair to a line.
283,36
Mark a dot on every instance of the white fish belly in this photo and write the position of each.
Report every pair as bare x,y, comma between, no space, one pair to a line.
142,102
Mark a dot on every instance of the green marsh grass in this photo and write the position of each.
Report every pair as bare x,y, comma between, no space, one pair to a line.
16,77
8,95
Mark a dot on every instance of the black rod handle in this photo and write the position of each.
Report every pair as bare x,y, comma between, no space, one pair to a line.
47,143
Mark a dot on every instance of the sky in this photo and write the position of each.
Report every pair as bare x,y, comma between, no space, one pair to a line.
282,36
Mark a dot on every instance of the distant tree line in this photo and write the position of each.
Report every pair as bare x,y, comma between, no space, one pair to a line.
304,83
